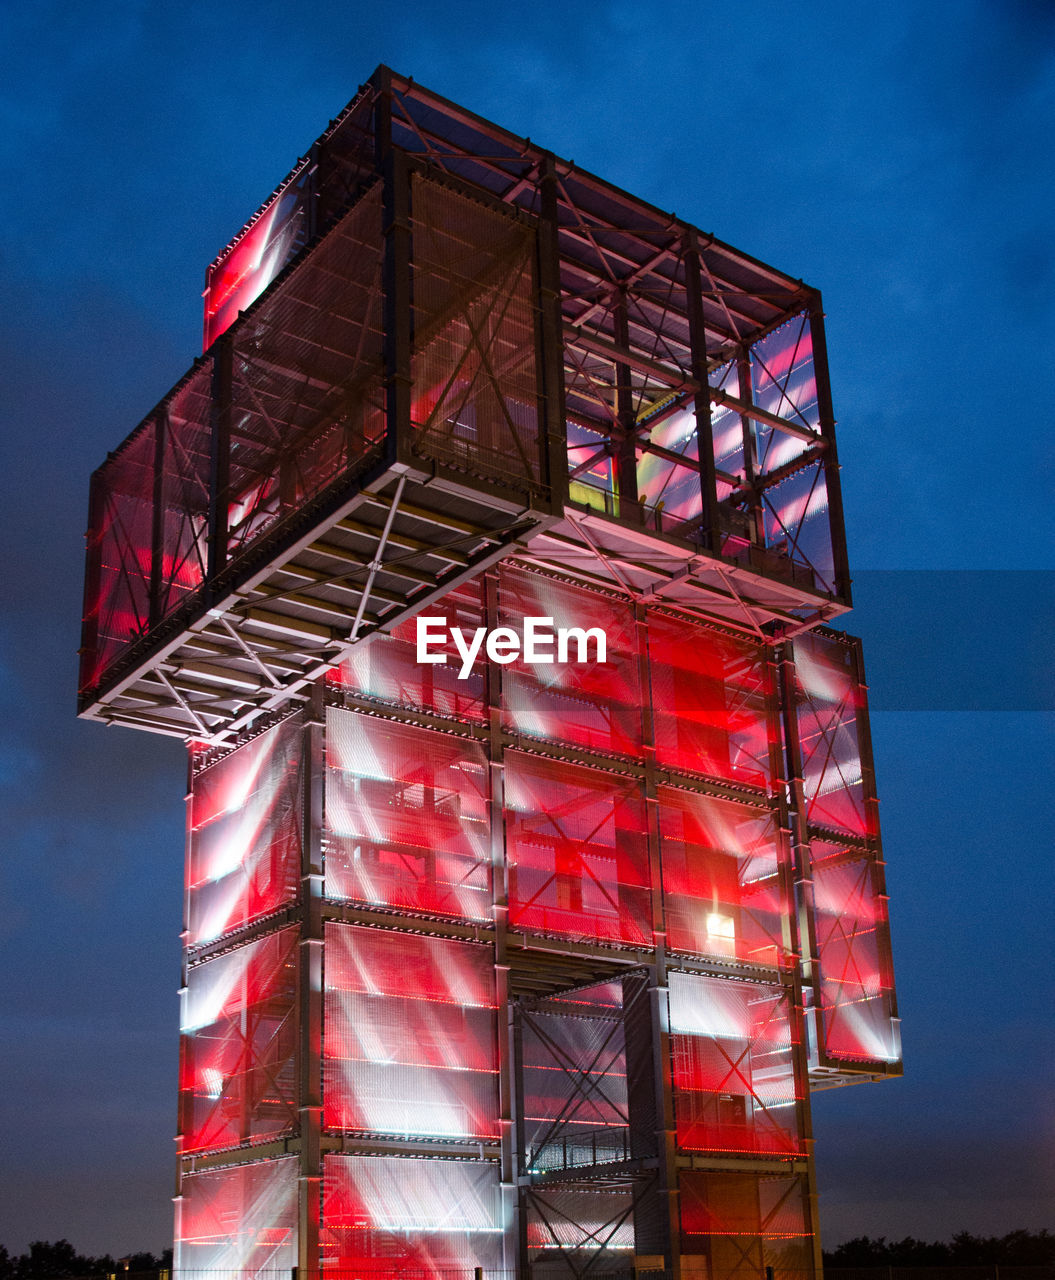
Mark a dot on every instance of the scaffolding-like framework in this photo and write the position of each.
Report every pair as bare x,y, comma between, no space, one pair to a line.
521,969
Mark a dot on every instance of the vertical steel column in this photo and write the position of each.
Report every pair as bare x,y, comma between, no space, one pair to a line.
310,986
710,527
662,1081
92,578
551,340
836,519
219,455
626,420
395,275
743,391
509,1110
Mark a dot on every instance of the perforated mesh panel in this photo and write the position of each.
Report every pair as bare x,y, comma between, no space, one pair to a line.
735,1225
574,1081
407,819
827,693
570,1228
386,667
238,1045
709,699
410,1035
732,1060
422,1218
246,829
577,850
238,1222
117,594
307,396
723,885
579,701
474,400
853,942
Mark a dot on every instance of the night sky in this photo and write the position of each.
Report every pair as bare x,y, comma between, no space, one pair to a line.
901,157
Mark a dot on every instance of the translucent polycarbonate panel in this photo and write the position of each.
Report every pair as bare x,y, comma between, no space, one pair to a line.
307,395
474,400
410,1037
238,1222
117,587
577,851
386,667
591,475
263,248
577,1231
389,1216
238,1046
783,377
797,523
723,885
734,1226
709,701
828,692
573,1085
671,490
407,817
853,945
733,1046
246,829
580,700
727,431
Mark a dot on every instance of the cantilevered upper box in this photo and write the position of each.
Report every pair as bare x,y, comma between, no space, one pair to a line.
437,343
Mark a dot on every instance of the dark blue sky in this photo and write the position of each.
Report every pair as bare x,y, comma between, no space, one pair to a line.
900,157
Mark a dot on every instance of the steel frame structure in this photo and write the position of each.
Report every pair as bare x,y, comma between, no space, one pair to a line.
505,973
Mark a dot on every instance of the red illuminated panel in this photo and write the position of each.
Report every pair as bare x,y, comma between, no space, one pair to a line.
828,693
585,703
709,695
240,1221
410,1035
407,817
385,667
422,1218
736,1225
245,838
732,1057
577,850
723,889
238,1045
242,274
853,942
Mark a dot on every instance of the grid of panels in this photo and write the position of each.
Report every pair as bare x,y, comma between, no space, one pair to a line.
410,1036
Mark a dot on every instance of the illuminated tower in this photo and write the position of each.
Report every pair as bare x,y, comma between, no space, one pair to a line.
527,968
